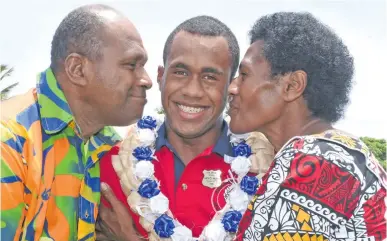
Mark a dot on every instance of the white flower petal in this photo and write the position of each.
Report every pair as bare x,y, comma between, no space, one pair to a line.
182,233
238,199
214,231
159,204
147,137
144,170
241,165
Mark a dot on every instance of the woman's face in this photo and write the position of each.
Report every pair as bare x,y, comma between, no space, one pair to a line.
256,98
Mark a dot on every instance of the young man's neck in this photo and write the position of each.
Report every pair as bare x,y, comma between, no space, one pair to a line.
189,148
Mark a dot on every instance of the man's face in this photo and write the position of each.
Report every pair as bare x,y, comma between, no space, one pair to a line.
119,82
194,83
256,96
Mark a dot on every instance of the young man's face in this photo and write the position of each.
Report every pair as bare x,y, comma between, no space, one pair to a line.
194,83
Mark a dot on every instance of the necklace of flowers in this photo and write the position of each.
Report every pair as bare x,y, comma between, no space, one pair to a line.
136,171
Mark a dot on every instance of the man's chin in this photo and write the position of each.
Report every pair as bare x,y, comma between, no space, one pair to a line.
189,131
237,127
129,121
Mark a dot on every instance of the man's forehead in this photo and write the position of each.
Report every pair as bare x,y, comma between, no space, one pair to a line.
254,54
186,45
188,40
123,29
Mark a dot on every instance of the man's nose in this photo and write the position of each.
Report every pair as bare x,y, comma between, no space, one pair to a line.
145,80
233,87
194,88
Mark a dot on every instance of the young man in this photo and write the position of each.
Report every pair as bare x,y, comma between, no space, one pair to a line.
52,136
200,57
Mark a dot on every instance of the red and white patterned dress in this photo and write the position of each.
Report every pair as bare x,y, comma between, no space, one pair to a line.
321,187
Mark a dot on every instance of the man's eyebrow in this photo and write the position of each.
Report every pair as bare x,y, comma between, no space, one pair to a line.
180,66
138,55
212,70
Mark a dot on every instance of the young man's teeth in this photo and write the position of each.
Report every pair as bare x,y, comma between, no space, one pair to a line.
189,109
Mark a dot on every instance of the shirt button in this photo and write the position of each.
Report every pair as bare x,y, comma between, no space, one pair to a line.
184,186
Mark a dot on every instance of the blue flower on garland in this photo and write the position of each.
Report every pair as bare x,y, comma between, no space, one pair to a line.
231,221
147,122
249,184
242,149
148,188
143,153
164,226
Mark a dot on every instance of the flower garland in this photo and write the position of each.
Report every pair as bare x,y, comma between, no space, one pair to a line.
136,171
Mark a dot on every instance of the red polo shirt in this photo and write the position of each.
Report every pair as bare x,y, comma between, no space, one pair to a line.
191,202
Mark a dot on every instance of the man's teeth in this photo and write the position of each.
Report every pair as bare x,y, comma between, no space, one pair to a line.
189,109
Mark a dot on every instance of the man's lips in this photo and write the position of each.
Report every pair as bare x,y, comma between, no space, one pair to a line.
193,105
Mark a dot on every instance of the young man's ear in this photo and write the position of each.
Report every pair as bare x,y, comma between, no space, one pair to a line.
160,74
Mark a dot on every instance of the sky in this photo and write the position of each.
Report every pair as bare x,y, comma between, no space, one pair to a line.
28,27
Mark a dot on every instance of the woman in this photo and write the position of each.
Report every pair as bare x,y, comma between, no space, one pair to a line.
324,184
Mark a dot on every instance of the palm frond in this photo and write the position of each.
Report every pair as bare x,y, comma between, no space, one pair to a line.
3,67
6,90
7,72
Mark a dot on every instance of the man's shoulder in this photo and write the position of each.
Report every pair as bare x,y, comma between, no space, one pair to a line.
13,108
18,114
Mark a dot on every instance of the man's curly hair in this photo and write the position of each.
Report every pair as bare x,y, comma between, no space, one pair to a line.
298,41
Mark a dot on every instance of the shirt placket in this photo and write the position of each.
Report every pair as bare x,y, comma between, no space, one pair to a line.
87,205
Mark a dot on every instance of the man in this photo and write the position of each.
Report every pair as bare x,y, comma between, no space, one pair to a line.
53,136
200,58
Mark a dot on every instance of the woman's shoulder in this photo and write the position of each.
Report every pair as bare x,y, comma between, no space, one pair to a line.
340,148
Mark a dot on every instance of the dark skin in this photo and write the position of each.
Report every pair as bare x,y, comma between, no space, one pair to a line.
118,74
273,106
196,74
117,222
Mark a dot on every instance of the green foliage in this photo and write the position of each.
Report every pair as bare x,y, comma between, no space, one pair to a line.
378,148
5,71
160,111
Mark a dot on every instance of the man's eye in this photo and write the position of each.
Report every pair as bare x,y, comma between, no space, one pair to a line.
180,73
243,76
131,65
209,77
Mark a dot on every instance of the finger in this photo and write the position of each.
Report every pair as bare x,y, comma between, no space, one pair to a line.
105,213
108,194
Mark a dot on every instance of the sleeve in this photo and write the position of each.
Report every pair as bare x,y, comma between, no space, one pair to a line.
12,177
110,177
374,215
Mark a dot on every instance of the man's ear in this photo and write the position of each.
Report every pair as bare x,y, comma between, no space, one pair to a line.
294,85
160,74
74,66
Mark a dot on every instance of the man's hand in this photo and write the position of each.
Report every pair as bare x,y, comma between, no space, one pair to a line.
117,218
